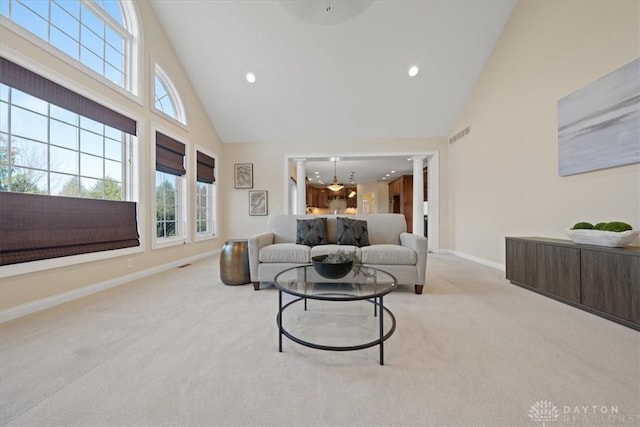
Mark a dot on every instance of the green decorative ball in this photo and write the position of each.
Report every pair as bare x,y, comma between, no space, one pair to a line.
599,226
583,226
617,226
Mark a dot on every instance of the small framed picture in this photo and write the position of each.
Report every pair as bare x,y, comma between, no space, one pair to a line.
243,175
257,202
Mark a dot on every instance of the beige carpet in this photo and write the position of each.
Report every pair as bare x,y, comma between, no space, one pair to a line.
180,348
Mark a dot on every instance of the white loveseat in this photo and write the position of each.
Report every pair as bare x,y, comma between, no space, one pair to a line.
391,248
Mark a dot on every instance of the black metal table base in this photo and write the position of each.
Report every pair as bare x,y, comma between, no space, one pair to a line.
377,302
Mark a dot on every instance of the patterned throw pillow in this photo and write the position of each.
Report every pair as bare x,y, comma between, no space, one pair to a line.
352,232
311,232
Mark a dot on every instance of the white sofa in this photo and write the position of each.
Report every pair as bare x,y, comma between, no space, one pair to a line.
391,248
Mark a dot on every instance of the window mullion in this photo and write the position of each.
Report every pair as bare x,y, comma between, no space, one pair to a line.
108,19
129,79
49,22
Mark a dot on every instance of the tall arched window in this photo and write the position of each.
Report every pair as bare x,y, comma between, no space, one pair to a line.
99,34
166,97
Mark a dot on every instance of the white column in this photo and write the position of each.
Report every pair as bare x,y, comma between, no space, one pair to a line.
301,186
418,195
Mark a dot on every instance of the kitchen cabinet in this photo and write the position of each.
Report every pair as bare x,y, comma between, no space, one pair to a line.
425,182
319,197
352,202
401,198
310,194
322,197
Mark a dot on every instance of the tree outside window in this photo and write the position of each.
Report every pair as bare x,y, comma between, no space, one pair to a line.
166,207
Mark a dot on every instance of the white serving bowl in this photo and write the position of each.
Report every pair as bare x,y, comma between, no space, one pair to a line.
603,238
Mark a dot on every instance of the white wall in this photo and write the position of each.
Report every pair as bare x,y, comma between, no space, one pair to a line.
270,168
383,199
504,175
366,189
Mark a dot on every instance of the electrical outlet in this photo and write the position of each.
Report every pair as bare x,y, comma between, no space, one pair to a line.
129,262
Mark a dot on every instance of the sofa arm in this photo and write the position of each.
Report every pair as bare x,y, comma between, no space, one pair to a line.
256,243
419,245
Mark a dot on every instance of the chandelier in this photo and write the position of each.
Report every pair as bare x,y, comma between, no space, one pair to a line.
335,185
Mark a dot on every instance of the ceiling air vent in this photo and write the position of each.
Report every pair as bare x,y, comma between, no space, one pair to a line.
464,132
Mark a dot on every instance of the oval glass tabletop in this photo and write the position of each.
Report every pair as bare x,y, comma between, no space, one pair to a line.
304,281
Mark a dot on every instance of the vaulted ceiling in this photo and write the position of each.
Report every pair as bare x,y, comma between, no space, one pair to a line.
336,74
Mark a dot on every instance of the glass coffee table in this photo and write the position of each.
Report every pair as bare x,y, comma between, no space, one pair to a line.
305,284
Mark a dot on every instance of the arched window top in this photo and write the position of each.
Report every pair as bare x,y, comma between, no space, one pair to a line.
112,7
166,97
164,102
100,34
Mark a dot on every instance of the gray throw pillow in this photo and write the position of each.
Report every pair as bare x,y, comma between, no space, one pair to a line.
311,232
352,232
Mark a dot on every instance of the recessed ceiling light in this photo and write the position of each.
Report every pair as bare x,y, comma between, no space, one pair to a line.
413,71
251,78
393,171
384,177
317,173
387,175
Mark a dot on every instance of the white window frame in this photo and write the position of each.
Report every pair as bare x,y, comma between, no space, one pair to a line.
132,175
134,183
183,231
174,96
131,52
212,198
50,144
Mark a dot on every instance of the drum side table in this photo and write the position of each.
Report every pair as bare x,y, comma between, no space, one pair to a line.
234,262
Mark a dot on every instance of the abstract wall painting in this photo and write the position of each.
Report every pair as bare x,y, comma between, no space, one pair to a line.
243,175
599,125
257,202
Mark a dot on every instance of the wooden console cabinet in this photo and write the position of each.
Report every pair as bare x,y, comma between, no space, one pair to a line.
604,281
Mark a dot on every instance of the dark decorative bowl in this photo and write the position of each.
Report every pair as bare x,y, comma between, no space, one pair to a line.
328,270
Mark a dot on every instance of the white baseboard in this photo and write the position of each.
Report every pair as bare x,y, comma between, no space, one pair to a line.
479,260
41,304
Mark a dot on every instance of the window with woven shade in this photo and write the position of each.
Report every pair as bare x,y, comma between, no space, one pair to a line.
205,196
63,171
170,202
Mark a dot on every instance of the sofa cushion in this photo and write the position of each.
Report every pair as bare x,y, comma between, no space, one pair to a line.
352,232
388,255
311,232
285,252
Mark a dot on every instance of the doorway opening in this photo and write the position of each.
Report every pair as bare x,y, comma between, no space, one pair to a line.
376,161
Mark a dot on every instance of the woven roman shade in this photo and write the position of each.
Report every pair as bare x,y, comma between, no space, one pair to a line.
169,155
206,168
34,84
35,227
